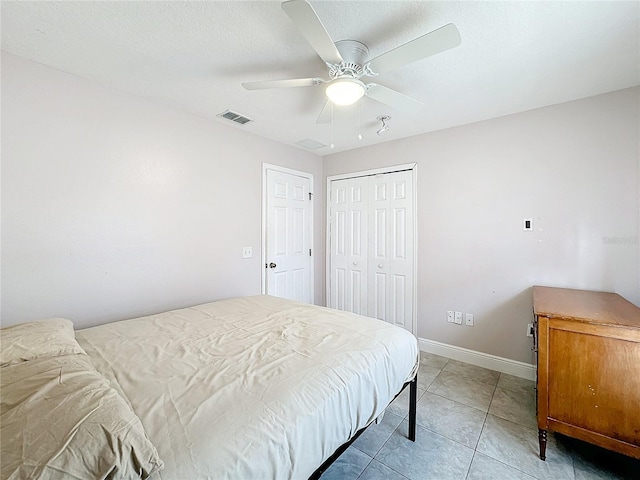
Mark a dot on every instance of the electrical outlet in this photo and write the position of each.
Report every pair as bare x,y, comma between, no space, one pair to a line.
450,316
468,319
246,252
458,318
529,329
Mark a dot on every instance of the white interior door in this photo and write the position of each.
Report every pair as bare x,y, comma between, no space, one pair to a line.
288,236
372,246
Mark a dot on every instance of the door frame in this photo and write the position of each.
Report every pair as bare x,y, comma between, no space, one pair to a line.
263,256
367,173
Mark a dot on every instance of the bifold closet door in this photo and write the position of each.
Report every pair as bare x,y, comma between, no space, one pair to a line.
372,246
348,223
391,248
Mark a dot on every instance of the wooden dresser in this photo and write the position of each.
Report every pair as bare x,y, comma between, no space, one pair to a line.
588,356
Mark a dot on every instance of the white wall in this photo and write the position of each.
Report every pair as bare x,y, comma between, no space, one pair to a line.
574,168
113,206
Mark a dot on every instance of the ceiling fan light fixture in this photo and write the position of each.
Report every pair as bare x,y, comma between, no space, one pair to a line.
345,91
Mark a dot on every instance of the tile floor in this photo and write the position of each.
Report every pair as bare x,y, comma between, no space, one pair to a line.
473,424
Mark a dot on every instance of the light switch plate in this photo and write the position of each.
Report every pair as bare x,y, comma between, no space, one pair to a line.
458,318
247,252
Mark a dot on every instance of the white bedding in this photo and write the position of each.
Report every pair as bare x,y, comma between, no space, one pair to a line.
59,418
255,387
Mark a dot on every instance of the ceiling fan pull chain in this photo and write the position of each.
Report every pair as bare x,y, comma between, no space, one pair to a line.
360,120
332,145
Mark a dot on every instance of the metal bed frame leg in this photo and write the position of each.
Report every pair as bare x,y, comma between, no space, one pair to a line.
413,398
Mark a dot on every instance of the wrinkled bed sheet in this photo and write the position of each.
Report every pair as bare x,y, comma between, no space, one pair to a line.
61,421
254,387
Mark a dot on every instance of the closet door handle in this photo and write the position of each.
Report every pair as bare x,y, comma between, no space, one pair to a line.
379,265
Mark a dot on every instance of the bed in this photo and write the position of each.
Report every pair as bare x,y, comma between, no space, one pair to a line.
250,388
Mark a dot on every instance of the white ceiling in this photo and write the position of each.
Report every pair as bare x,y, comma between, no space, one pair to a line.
514,56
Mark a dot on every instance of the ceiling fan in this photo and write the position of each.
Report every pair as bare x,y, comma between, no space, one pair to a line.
348,61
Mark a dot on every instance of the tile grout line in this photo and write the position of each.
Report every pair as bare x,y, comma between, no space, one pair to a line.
460,403
513,466
443,435
470,463
484,424
380,449
486,413
366,466
507,465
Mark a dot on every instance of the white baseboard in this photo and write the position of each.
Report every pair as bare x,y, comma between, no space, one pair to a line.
500,364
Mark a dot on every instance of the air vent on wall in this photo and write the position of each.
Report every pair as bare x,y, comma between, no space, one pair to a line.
235,117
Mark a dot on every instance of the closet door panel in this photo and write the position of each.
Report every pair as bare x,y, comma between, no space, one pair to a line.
349,231
372,246
391,214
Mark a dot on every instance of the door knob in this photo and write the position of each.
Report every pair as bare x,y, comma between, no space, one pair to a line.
379,265
272,265
355,263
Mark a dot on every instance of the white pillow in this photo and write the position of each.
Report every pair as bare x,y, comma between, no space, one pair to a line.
50,337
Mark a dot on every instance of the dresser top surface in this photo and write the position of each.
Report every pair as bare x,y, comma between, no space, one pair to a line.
584,305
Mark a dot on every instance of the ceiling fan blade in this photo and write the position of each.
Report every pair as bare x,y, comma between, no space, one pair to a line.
325,114
297,82
305,19
392,98
429,44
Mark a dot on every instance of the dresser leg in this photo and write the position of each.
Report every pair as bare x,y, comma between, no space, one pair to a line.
542,438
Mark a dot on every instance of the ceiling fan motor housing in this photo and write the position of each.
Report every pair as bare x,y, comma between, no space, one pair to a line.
355,54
